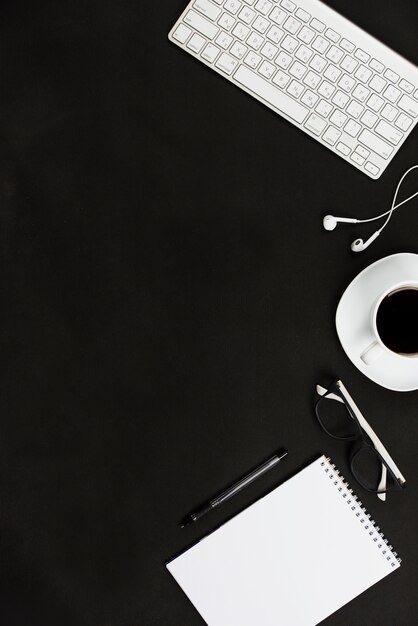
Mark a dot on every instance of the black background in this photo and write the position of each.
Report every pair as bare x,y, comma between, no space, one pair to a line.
167,306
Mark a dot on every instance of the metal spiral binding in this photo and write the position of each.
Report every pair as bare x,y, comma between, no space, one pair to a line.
360,511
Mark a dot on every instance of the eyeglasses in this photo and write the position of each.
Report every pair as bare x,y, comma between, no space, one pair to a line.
370,462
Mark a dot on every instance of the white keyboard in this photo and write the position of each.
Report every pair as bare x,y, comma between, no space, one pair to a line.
313,67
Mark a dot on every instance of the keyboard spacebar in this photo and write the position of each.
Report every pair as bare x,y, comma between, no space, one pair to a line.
270,94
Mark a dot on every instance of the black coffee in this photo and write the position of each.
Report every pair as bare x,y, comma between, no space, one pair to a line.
397,321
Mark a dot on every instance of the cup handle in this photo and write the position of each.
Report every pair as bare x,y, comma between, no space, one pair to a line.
372,353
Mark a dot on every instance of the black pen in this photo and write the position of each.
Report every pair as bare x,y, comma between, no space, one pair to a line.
231,491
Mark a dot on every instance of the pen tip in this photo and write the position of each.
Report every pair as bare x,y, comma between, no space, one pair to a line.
185,522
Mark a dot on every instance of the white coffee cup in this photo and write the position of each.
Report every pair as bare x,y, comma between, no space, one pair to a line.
377,348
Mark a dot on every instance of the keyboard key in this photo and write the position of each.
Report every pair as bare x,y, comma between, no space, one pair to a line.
376,66
375,103
303,54
317,25
196,43
355,109
261,24
332,73
346,83
289,44
357,158
369,118
246,15
338,118
352,128
391,75
291,25
201,24
263,6
182,33
320,44
283,60
281,79
347,45
323,108
278,16
309,98
207,9
267,69
361,55
403,122
232,6
303,15
306,35
312,80
269,50
326,89
252,59
345,150
362,152
288,5
295,89
238,50
210,52
363,74
340,99
375,144
361,93
315,124
226,63
240,31
373,169
389,132
270,94
318,63
389,112
226,21
408,105
332,35
406,86
224,40
298,70
255,40
377,83
349,64
391,93
334,54
331,135
275,34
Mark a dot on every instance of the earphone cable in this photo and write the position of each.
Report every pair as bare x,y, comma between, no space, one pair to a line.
393,208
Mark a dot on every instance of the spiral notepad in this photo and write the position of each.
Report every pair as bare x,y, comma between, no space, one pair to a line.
268,564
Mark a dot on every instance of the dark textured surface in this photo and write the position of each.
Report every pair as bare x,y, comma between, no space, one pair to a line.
167,304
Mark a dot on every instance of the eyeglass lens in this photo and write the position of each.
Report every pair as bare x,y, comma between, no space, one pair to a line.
336,420
366,466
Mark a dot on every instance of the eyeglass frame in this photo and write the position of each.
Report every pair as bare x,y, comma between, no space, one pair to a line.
338,392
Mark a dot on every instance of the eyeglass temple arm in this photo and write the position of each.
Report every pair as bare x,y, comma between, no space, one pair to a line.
321,391
369,430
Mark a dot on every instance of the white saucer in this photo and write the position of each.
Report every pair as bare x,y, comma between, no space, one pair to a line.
353,320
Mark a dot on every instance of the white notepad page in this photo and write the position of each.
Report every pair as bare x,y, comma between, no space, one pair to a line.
291,559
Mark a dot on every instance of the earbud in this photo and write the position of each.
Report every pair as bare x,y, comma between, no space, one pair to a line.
359,245
330,222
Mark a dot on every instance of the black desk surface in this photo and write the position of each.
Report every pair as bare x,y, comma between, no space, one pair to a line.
167,305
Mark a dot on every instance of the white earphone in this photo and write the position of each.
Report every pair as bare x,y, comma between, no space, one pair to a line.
330,222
